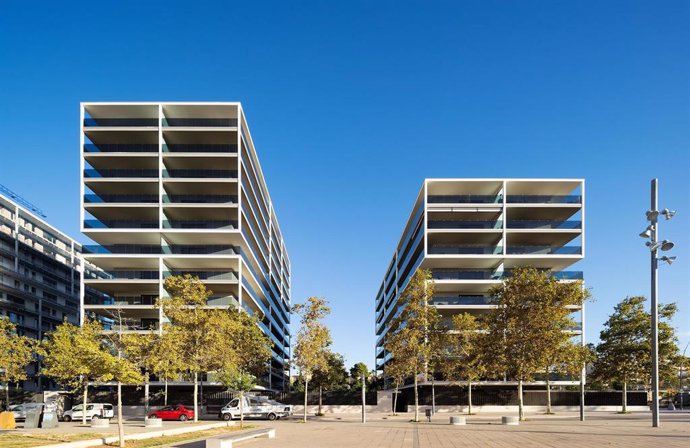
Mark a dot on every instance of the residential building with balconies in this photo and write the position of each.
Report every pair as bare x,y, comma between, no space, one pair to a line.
177,188
470,233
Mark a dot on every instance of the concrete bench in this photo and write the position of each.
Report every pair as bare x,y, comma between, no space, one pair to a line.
228,440
100,423
510,420
457,420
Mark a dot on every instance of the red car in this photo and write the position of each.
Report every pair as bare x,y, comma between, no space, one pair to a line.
177,412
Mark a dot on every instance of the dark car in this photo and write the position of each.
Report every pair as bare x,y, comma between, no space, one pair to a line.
686,400
177,412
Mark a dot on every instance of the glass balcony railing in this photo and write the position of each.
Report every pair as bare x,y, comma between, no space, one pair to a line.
468,249
134,326
121,122
461,300
459,224
201,250
200,174
465,199
486,274
121,300
129,275
178,224
543,199
120,147
146,249
93,173
121,198
201,148
120,224
122,249
199,199
222,301
205,275
544,250
200,122
543,224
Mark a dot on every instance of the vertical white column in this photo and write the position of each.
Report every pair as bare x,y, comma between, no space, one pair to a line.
161,216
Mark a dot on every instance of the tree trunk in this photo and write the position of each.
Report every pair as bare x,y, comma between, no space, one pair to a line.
521,412
625,397
120,423
241,410
320,398
395,398
469,397
146,394
416,399
548,394
306,391
433,395
196,398
83,404
7,396
165,401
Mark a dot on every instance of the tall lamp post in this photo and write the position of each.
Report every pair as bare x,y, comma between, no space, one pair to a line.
652,233
680,375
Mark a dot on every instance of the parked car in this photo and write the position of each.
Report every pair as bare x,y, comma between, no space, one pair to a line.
686,400
177,412
20,410
93,411
255,407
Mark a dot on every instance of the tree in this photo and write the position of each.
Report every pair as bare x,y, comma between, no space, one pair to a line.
234,379
75,356
356,372
166,361
140,349
333,375
16,353
464,359
398,369
528,324
313,339
624,353
415,331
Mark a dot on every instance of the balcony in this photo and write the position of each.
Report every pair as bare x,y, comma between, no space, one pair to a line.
478,274
200,122
461,300
465,199
544,224
464,249
200,174
217,225
120,122
121,198
230,149
121,300
227,276
129,275
222,301
542,199
125,249
120,147
201,250
104,173
198,199
461,224
544,250
120,224
131,327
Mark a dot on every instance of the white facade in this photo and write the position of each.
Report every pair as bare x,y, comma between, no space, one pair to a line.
177,188
471,232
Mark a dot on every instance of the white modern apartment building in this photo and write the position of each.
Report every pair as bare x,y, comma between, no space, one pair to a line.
177,188
470,233
40,270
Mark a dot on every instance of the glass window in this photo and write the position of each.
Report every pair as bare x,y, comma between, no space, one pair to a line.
234,403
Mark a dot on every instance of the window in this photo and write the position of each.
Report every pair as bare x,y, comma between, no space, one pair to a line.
234,403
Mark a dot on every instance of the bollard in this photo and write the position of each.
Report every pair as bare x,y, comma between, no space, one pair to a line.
510,420
457,420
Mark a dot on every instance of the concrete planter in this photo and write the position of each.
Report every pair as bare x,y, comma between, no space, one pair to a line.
100,423
153,422
510,420
455,420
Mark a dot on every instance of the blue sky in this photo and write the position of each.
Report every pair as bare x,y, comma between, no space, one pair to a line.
353,104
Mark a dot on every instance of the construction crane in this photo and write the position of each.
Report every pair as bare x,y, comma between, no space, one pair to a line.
21,201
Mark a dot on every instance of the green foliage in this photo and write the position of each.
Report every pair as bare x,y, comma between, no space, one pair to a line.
463,358
16,353
356,372
334,375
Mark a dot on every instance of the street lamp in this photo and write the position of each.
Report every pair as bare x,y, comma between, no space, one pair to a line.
652,233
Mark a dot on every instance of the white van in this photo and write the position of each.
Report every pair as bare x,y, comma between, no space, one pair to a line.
255,407
93,411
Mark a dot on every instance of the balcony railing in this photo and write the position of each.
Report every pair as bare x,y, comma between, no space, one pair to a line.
544,224
146,249
205,275
467,249
200,148
459,224
137,326
200,122
120,147
199,199
121,198
122,249
93,173
121,300
461,300
120,224
465,199
178,224
543,199
200,174
120,122
201,250
222,301
486,274
130,275
544,250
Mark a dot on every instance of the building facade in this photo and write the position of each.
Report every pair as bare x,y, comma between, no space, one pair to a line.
40,271
470,233
177,188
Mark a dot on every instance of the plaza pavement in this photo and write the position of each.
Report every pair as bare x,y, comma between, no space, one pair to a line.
602,429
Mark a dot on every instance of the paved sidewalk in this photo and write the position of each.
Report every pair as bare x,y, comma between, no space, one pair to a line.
540,431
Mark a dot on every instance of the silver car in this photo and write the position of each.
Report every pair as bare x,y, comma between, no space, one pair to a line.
20,410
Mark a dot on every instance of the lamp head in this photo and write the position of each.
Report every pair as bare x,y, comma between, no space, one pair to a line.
666,245
668,260
668,214
652,215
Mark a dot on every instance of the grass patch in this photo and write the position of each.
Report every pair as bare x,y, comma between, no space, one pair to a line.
17,440
166,440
